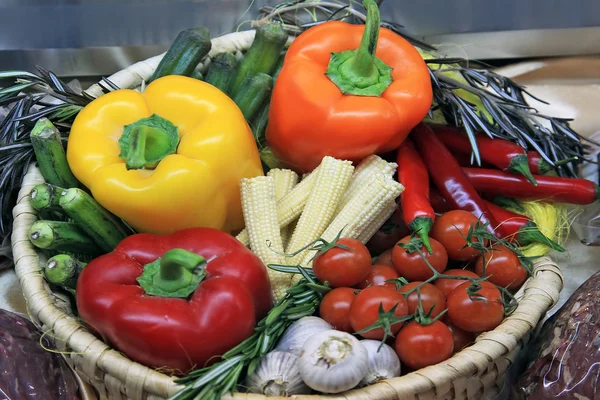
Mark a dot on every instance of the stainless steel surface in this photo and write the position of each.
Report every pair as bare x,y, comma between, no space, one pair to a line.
98,37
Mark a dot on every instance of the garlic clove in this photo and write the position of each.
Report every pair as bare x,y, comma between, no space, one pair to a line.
383,362
296,334
277,374
333,361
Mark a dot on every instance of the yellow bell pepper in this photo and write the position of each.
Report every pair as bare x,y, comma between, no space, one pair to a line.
169,158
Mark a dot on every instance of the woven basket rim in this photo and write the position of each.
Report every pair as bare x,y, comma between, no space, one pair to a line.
537,295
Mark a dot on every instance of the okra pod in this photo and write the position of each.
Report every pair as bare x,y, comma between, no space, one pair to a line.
262,56
62,236
45,197
63,270
97,222
253,92
50,155
220,71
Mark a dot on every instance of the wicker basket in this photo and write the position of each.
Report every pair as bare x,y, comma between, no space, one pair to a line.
473,373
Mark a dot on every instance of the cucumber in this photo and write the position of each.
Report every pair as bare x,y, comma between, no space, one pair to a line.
253,92
97,222
45,197
220,71
62,236
63,270
262,56
186,52
259,123
50,155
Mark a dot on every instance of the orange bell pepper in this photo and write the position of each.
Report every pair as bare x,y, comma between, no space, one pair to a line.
334,99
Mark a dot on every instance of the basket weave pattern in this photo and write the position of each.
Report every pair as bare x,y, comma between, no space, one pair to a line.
470,374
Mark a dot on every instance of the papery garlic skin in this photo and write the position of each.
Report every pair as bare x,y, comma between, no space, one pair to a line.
333,362
277,374
296,335
383,362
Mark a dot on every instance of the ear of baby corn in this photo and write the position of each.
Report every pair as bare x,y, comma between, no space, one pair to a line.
363,174
373,227
259,208
332,179
362,211
290,206
285,180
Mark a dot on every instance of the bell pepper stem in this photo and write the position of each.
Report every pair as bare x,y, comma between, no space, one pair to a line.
520,165
421,226
147,141
363,62
176,274
359,72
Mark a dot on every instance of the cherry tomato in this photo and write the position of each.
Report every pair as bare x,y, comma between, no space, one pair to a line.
447,285
412,266
419,346
447,230
378,276
385,258
335,308
432,298
341,267
462,338
503,268
365,309
386,237
480,312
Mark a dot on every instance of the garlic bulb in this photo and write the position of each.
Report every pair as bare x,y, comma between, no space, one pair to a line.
294,337
277,375
333,361
383,362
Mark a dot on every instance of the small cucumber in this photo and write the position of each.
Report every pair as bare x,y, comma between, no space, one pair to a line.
62,236
253,92
186,52
63,270
97,222
220,71
259,123
262,56
45,197
50,155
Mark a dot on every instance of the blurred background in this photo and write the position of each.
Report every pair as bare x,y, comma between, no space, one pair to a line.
98,37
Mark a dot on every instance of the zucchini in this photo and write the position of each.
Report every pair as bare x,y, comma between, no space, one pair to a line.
262,56
45,197
63,270
50,155
220,71
97,222
186,52
62,236
253,92
259,123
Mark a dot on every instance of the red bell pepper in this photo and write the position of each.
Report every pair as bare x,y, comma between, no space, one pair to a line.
175,302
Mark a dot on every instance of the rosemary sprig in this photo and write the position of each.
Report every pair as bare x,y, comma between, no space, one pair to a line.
214,382
477,99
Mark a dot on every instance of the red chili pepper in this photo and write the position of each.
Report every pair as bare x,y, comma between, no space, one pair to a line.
503,154
176,301
438,202
449,177
565,190
412,174
521,229
539,166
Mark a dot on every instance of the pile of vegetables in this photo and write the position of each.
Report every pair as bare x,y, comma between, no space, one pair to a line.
225,225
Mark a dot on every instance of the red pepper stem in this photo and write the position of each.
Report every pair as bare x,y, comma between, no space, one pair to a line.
176,274
520,164
529,233
421,226
147,141
359,72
